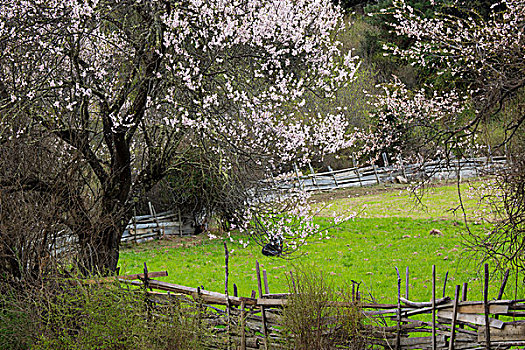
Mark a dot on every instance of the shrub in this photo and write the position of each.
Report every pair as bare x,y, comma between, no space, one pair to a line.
70,314
311,321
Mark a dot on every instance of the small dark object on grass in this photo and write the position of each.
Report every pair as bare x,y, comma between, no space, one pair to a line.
274,248
435,232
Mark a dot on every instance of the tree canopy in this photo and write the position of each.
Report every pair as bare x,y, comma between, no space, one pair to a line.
124,88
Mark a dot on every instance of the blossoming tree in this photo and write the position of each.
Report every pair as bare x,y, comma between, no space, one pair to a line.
478,66
125,86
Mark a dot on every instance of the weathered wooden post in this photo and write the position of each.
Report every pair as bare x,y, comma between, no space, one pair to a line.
228,321
263,314
333,176
487,309
357,171
454,319
433,307
398,318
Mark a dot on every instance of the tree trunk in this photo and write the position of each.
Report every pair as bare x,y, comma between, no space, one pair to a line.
99,250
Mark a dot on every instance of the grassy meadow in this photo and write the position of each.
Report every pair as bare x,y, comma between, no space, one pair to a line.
389,230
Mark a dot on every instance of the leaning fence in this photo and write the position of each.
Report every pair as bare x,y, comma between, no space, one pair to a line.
256,322
374,175
142,228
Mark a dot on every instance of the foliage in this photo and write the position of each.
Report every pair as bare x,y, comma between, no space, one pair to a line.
70,314
35,186
125,88
311,323
504,245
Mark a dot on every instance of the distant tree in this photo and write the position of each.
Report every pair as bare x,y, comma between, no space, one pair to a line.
126,87
482,62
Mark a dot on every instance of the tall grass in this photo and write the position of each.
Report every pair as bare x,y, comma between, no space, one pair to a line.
72,315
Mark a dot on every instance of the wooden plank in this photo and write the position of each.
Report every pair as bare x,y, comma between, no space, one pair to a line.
509,332
271,302
276,295
377,306
141,275
470,318
424,303
207,296
479,309
498,306
418,342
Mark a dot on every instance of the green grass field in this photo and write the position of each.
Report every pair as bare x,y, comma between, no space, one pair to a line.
389,231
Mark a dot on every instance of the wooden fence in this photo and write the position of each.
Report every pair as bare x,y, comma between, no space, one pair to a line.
373,175
255,322
141,228
146,227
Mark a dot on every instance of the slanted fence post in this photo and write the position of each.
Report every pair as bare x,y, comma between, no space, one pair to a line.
398,318
357,171
454,319
154,215
134,221
314,179
385,159
297,175
375,171
180,221
333,176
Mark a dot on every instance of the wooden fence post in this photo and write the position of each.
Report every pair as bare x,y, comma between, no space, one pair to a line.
503,284
228,320
134,221
385,159
375,170
433,307
407,281
314,180
486,304
243,325
333,176
357,171
154,214
502,288
298,177
464,292
180,221
263,314
266,288
445,284
454,319
398,333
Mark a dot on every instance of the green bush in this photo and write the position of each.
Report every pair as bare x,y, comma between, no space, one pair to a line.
310,320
